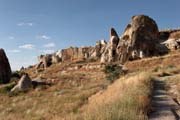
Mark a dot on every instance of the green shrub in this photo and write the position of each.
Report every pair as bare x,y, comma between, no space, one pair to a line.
7,88
113,72
17,74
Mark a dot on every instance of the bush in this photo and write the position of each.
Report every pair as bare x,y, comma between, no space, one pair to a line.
17,74
113,72
7,88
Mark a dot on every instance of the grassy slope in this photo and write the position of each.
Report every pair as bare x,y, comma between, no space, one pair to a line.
126,99
70,91
73,95
154,62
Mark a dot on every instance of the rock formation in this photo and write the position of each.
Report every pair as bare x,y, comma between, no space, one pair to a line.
109,54
173,40
140,39
23,85
5,69
45,61
69,54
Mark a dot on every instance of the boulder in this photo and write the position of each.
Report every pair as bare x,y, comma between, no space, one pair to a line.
5,69
24,84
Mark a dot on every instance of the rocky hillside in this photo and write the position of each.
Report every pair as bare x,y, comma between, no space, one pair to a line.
109,81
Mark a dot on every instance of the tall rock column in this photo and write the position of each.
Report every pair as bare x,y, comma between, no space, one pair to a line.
5,69
110,54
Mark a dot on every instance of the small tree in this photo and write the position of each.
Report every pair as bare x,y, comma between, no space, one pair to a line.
113,72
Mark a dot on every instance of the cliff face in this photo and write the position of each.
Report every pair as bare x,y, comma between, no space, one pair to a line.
75,53
140,39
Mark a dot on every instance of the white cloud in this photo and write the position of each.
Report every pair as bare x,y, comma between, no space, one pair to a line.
11,37
25,24
47,51
14,51
44,37
49,45
27,46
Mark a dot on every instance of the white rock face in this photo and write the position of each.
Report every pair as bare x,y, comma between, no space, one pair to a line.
24,84
172,44
109,54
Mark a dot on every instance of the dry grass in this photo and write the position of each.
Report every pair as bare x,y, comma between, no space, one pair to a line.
125,99
173,86
168,70
82,95
79,95
56,102
154,62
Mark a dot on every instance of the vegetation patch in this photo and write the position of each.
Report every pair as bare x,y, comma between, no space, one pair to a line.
126,99
6,89
113,72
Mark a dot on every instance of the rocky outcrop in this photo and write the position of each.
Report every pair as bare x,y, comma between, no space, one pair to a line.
140,39
67,55
173,41
46,60
5,69
75,53
172,44
23,85
109,54
99,49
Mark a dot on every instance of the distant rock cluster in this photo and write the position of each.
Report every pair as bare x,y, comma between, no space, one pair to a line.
140,39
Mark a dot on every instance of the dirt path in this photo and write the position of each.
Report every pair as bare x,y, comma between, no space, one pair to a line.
164,107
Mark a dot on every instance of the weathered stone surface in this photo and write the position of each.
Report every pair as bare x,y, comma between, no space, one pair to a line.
55,59
109,54
170,39
172,44
75,53
45,61
99,49
5,69
24,84
175,35
139,39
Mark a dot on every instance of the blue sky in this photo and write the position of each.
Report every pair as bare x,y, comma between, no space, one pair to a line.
29,28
